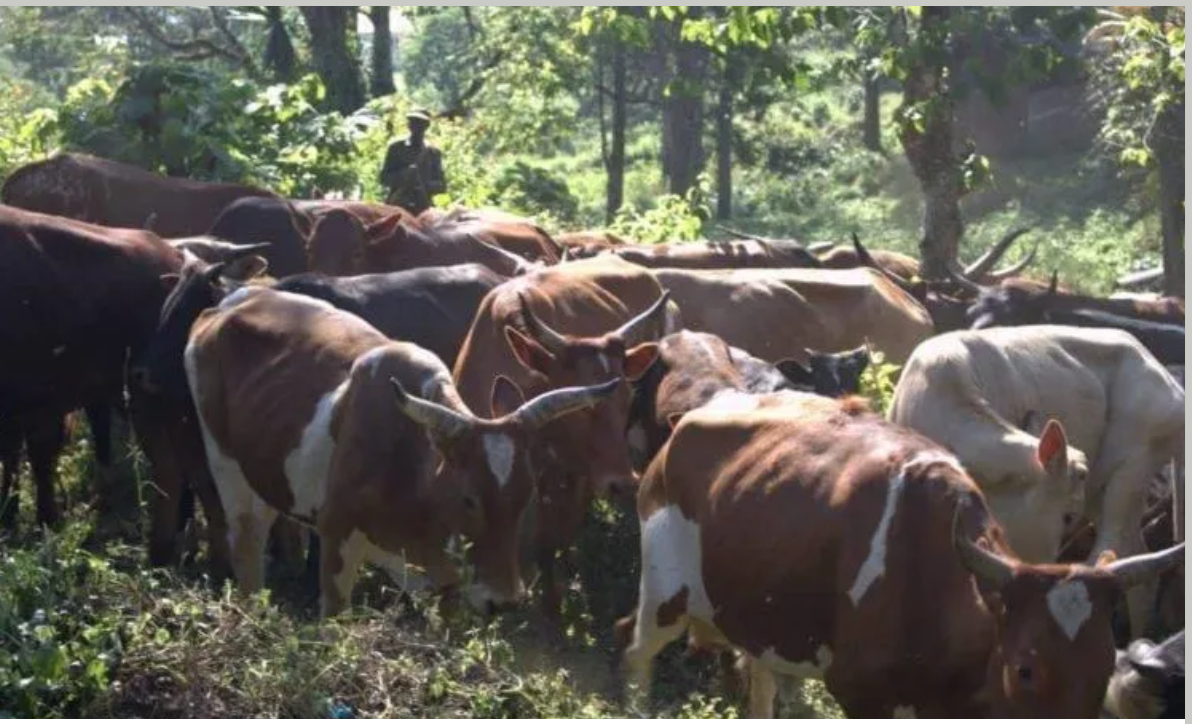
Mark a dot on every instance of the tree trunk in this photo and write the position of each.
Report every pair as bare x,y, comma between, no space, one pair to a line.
381,81
332,47
871,124
683,114
1169,149
724,142
930,150
615,188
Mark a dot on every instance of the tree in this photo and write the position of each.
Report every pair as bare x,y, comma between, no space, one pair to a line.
1140,70
332,46
280,58
381,78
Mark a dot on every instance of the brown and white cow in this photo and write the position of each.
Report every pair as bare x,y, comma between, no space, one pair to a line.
574,324
296,403
824,541
779,313
1115,418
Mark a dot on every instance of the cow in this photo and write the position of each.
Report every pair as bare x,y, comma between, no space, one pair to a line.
342,245
430,307
568,325
907,267
515,234
1158,324
109,193
297,419
694,368
76,299
825,541
584,244
777,314
1148,680
1052,421
741,254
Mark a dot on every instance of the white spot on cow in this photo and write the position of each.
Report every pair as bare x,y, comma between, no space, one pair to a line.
1069,604
799,669
905,712
238,296
672,560
731,401
308,465
499,450
874,566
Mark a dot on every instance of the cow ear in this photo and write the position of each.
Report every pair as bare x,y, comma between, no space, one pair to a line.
245,268
506,397
381,230
169,281
1053,449
529,353
639,360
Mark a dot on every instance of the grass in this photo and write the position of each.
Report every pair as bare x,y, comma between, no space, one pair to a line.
90,630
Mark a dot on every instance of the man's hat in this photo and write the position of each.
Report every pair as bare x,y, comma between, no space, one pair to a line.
419,114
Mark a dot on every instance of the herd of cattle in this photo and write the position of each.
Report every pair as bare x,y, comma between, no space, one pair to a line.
398,381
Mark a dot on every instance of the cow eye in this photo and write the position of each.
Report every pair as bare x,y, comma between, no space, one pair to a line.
471,504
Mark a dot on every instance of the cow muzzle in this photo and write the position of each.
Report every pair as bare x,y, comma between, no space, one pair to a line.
488,602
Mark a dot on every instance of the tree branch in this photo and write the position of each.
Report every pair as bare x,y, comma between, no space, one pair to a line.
194,48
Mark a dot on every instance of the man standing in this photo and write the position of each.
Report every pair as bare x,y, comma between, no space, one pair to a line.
413,170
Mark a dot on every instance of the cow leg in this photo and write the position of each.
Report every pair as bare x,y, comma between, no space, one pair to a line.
340,559
763,689
44,437
289,545
248,535
1121,532
99,420
11,441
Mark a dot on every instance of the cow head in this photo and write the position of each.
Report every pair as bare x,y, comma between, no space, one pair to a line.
337,244
199,286
487,474
829,374
1053,651
594,442
1014,302
1148,681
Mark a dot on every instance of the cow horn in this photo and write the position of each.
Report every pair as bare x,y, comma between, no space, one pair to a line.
957,275
1136,570
247,249
989,568
1013,269
556,403
628,330
565,255
554,342
982,265
437,419
820,247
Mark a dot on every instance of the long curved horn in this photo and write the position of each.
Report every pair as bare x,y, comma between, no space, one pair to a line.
628,330
989,568
863,254
556,403
1013,269
982,265
1136,570
820,247
436,418
554,342
246,250
957,275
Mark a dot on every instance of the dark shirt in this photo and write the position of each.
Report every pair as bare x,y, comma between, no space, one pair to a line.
412,174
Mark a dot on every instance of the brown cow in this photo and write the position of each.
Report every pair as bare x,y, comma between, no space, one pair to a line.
75,299
1098,390
778,313
296,417
87,188
741,254
341,245
574,324
583,244
515,234
824,541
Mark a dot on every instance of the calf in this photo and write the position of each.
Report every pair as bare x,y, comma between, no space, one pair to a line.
1106,397
296,420
778,314
1148,681
824,541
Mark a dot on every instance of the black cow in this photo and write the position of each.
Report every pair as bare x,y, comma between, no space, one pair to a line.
1148,681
